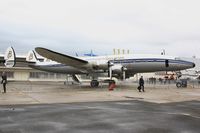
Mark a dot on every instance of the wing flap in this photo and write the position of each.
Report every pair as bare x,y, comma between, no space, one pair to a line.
61,58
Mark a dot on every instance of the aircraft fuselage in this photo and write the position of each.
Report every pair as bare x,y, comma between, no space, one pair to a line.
133,63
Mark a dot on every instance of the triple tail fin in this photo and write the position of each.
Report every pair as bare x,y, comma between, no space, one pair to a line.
10,57
31,57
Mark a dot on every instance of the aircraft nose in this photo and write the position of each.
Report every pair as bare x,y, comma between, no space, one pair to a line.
193,65
189,64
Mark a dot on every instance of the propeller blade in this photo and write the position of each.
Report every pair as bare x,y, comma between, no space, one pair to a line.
110,73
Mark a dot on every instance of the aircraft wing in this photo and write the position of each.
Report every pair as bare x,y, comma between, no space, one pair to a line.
61,58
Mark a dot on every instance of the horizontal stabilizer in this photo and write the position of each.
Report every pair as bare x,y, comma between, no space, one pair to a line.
61,58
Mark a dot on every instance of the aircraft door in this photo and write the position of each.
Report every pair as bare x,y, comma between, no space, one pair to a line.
166,63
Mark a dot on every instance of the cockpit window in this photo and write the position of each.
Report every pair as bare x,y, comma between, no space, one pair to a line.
167,63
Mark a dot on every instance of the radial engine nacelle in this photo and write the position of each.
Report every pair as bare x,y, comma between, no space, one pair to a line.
117,69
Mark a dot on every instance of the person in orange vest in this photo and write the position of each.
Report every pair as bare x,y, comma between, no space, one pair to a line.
112,86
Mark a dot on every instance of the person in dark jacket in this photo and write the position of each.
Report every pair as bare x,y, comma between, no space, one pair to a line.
141,84
4,81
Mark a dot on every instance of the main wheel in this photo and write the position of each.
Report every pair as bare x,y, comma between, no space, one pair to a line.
94,83
178,85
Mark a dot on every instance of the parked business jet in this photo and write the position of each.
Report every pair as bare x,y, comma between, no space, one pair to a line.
119,66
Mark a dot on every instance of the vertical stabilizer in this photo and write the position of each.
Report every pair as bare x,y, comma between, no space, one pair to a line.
10,57
31,57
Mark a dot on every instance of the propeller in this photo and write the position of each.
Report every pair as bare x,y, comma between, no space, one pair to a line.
124,72
110,64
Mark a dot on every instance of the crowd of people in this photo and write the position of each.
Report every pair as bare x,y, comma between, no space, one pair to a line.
167,79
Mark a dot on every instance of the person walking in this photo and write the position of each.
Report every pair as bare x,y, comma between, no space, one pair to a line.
141,84
4,81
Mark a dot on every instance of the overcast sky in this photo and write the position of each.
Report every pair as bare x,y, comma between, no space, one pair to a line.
69,26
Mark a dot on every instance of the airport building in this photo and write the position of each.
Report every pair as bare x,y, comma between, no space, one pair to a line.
29,74
21,72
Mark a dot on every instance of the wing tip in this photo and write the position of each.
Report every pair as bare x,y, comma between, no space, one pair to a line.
38,48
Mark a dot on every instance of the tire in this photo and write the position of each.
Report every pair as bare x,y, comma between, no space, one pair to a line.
94,83
97,84
178,85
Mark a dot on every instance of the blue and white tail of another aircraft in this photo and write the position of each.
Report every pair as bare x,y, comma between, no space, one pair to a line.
119,66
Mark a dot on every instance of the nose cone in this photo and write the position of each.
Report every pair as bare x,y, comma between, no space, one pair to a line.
190,65
186,64
194,65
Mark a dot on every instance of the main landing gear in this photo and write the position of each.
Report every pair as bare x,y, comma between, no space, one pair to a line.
94,83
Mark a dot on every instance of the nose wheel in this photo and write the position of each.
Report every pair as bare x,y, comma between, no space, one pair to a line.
94,83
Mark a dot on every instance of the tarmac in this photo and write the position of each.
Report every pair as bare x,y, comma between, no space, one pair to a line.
57,92
30,107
